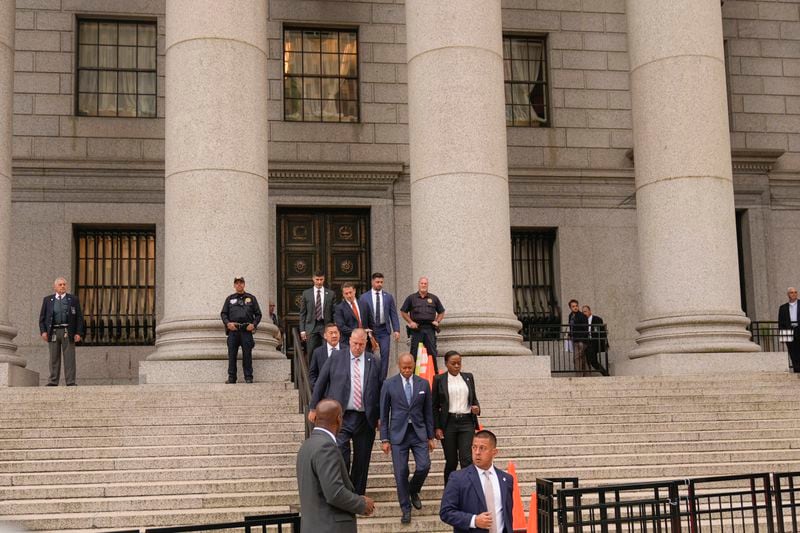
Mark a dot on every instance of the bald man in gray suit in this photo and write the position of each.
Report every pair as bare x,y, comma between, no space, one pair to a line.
328,501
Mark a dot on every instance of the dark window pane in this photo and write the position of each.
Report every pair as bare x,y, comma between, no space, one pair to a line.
147,35
87,81
292,88
525,60
293,109
107,57
349,90
127,105
87,57
108,33
508,93
147,106
349,111
127,34
147,83
87,104
87,33
107,105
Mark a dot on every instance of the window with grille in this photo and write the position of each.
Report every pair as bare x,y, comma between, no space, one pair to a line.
320,82
116,68
525,74
116,285
532,259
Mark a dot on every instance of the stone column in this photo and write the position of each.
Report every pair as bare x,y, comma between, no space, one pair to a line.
460,225
12,366
690,304
216,212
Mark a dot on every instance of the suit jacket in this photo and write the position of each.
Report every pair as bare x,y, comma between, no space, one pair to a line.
307,320
389,310
334,382
578,327
347,321
598,335
327,498
75,325
441,398
396,411
318,359
784,319
463,497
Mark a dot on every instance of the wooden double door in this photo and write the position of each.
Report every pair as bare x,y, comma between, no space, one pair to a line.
335,241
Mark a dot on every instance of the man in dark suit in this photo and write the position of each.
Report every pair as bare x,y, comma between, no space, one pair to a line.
352,377
597,338
407,424
316,310
788,321
351,314
578,333
327,499
61,326
384,315
479,496
321,354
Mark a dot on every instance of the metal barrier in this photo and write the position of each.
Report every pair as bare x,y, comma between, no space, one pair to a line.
284,523
300,378
554,341
728,503
786,492
546,503
766,334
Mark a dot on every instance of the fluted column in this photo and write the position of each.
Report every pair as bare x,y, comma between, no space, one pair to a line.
7,333
216,212
684,188
460,225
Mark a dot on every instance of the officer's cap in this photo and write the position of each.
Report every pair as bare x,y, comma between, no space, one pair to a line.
238,279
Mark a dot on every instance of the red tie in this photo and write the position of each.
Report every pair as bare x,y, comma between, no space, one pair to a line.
355,312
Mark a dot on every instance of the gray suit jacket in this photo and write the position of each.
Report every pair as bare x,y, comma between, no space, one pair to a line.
307,320
327,500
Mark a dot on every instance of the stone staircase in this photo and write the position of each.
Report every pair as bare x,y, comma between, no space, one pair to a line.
122,457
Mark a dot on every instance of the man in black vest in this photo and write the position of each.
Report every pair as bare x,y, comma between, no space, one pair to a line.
61,326
241,316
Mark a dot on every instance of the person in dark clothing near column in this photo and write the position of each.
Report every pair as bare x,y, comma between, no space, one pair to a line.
423,312
597,338
788,318
61,326
241,315
579,333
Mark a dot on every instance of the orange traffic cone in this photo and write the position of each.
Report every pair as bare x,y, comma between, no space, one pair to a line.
533,515
520,522
424,365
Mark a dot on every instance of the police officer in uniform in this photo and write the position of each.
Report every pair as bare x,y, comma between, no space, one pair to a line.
241,316
423,312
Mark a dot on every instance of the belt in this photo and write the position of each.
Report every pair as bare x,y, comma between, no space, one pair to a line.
60,325
460,415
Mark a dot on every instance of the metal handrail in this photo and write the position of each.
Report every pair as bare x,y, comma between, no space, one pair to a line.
300,378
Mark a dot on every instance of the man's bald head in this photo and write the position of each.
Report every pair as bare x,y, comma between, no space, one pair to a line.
329,415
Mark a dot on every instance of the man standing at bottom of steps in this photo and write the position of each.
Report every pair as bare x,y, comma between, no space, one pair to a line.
328,501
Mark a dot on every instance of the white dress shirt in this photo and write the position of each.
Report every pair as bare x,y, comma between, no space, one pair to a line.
793,312
331,348
458,393
498,498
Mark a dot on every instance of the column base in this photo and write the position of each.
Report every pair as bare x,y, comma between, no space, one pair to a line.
482,335
708,333
503,366
193,338
209,371
670,364
12,375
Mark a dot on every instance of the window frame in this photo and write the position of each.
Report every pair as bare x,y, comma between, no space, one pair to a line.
535,237
142,335
76,85
356,79
542,39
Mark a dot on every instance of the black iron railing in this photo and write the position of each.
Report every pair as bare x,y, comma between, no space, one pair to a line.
728,504
555,341
547,503
300,378
786,493
767,335
282,523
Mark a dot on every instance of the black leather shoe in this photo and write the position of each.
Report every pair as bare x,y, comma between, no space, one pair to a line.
248,380
229,382
406,517
52,384
415,501
72,384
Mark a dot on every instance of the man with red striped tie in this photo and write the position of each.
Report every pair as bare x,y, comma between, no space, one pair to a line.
352,377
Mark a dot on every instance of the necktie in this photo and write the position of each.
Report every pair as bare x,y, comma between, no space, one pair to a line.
357,384
378,307
318,306
408,391
488,490
355,312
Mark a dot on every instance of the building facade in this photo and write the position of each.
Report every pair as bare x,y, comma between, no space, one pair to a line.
648,165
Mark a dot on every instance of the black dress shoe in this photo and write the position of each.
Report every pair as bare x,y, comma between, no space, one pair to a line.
52,384
72,384
229,382
415,501
250,380
406,519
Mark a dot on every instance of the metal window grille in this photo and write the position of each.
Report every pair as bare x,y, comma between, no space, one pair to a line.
535,300
116,68
116,285
526,85
320,82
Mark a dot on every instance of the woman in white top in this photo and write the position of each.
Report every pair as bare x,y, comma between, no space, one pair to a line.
455,413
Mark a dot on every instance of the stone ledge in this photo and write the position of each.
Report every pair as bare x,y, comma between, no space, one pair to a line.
701,363
16,376
209,371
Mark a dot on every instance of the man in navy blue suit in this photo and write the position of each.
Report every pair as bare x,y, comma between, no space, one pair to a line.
321,353
479,497
384,316
351,314
407,424
352,378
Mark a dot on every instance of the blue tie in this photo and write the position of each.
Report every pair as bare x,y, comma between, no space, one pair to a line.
408,391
